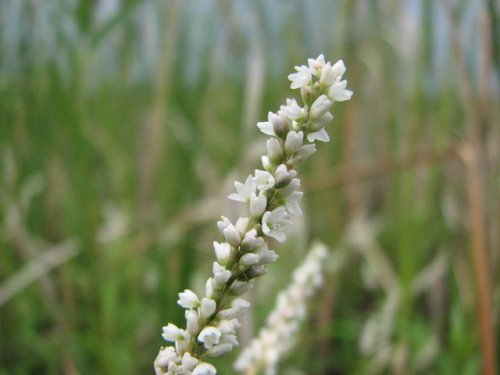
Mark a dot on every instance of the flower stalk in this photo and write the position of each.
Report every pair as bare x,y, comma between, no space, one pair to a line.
271,195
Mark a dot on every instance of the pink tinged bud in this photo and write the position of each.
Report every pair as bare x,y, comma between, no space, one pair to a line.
209,336
219,349
320,107
189,362
192,324
221,275
207,308
293,142
274,151
249,259
222,252
204,369
188,299
258,205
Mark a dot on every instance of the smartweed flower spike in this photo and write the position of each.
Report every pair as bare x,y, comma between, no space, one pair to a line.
276,338
271,195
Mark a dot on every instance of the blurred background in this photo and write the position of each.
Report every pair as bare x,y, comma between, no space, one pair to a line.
123,124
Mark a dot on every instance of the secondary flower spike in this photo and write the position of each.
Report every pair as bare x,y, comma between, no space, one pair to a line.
271,196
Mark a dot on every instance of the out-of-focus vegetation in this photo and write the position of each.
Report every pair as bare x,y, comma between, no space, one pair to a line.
124,123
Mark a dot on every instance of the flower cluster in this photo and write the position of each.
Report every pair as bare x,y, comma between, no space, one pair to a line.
271,195
274,339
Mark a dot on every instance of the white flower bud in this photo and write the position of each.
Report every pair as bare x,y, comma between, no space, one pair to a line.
222,252
209,288
279,122
318,124
209,336
258,205
165,356
173,333
249,259
192,324
188,361
283,176
320,107
338,69
188,299
204,369
207,308
240,287
242,225
274,151
290,188
221,275
219,349
327,75
231,235
251,242
293,141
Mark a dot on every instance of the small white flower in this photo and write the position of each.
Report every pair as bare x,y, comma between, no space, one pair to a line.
258,205
338,91
273,223
235,310
303,153
222,252
204,369
320,135
229,231
188,299
301,78
293,141
263,179
275,126
243,190
209,336
242,225
207,308
327,75
317,63
173,333
292,203
292,110
221,275
188,361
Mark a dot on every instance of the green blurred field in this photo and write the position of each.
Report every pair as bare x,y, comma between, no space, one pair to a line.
123,124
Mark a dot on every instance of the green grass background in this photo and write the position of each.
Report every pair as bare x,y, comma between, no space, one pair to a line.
124,123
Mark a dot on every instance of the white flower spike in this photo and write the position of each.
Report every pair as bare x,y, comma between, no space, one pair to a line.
271,195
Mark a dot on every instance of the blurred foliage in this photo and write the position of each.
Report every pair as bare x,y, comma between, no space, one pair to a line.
124,122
